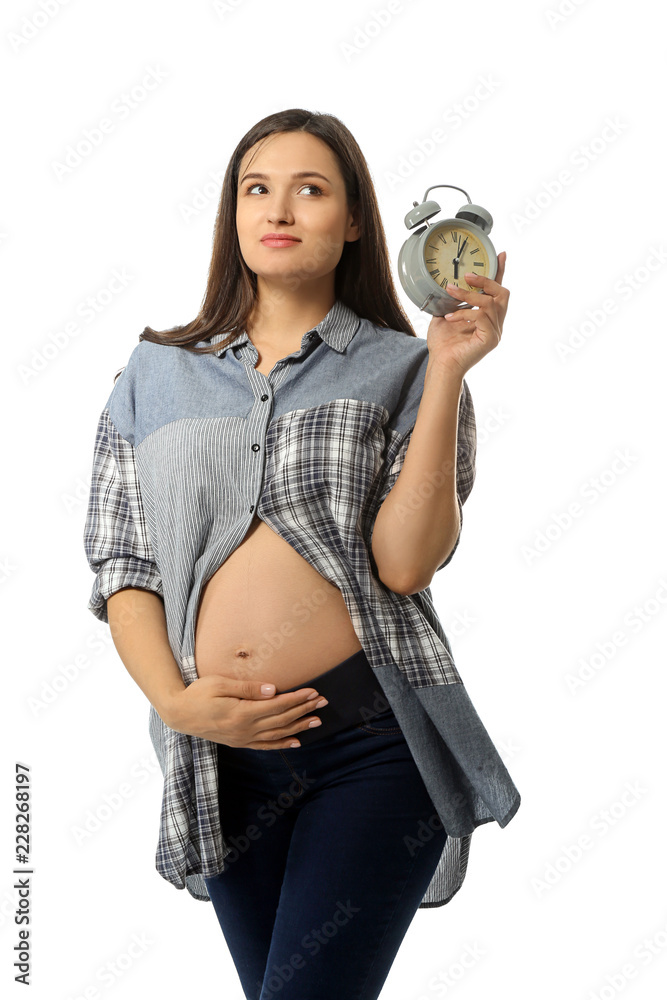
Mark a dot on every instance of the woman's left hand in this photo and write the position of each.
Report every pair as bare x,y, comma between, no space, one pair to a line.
457,343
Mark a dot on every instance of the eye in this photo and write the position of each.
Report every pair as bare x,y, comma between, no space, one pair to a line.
249,187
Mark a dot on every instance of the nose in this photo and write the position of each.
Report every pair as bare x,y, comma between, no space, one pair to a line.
278,209
274,216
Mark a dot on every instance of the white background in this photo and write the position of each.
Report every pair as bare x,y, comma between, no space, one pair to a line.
521,94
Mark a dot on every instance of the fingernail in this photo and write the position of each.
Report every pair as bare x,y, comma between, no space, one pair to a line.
315,722
313,695
322,703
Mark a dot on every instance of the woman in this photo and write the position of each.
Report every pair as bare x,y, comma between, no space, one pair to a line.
274,486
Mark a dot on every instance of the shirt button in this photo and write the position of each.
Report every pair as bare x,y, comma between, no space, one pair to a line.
264,397
255,447
252,508
310,336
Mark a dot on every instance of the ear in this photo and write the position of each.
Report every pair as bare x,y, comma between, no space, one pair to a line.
353,231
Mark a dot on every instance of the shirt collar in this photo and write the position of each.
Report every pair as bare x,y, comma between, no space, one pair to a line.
336,329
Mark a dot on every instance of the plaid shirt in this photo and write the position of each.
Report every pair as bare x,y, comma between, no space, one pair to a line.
188,449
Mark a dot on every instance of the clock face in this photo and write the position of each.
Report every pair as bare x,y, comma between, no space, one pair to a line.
450,249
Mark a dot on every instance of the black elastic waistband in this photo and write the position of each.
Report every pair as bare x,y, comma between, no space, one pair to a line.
354,695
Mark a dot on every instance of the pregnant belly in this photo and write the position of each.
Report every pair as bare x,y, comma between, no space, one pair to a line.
266,614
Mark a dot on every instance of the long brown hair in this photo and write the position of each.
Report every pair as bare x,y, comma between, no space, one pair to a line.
363,278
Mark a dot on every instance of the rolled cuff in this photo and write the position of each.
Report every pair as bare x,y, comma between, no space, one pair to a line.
118,573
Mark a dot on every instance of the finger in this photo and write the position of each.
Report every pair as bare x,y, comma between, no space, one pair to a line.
463,295
467,318
292,702
482,306
490,287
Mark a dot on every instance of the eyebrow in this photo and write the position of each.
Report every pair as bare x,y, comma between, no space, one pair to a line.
301,173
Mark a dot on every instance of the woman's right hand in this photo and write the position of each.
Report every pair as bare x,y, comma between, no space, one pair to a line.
237,713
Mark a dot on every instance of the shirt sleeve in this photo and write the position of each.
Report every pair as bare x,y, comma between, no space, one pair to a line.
116,541
466,452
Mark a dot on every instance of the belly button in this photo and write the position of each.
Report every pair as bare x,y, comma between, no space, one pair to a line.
242,652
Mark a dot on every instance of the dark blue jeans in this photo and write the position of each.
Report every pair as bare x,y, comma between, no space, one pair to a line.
335,844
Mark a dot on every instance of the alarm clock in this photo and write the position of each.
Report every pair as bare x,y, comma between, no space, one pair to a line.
443,252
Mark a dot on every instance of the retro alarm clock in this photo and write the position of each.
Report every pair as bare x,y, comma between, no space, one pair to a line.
443,252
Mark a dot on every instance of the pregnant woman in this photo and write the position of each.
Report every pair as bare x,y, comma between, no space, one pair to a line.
274,487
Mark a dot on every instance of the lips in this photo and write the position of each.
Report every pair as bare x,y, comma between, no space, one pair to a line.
280,236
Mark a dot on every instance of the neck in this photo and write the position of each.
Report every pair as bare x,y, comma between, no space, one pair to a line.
278,315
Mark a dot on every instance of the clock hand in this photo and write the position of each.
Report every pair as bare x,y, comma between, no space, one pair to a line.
457,259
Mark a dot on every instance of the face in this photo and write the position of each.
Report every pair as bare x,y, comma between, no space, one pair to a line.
312,208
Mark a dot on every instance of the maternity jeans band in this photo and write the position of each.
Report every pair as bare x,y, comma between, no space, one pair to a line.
353,693
331,848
